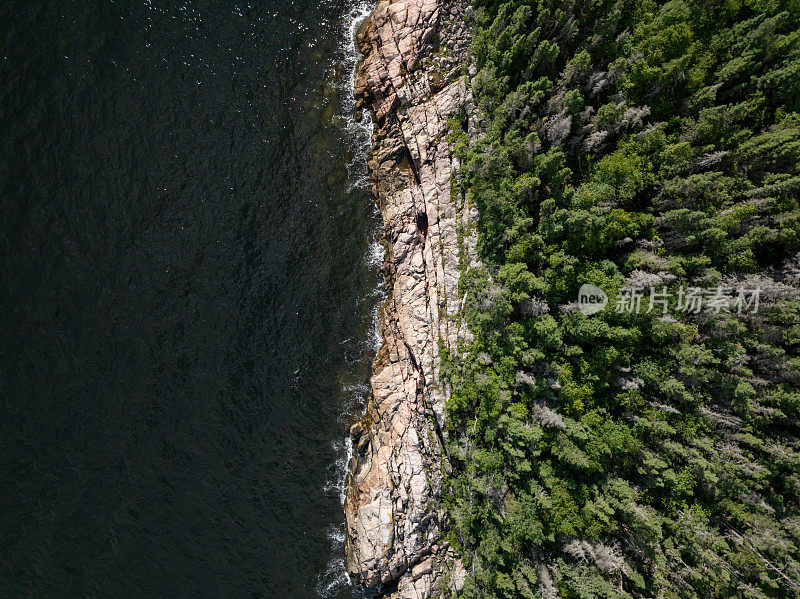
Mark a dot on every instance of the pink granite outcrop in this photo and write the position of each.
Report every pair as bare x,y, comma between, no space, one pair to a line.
412,79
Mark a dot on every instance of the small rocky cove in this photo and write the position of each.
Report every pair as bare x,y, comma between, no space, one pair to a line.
413,79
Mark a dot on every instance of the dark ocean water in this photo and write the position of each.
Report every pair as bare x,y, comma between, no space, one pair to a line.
186,296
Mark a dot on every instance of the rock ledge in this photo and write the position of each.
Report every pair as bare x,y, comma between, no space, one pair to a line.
412,79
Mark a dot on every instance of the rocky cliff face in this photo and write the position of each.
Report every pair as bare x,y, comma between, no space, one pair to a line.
412,78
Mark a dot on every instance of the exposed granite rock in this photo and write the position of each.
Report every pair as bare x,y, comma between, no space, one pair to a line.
412,78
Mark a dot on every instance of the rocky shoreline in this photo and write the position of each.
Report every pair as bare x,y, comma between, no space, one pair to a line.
413,80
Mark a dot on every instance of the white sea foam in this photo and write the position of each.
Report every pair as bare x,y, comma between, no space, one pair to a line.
360,132
335,578
338,481
357,394
336,536
376,254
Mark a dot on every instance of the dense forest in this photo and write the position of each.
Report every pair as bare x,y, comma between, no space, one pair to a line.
651,449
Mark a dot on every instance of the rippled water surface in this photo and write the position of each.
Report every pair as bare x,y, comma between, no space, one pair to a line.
187,287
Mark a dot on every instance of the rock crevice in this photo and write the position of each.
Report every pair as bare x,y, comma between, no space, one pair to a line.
412,79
